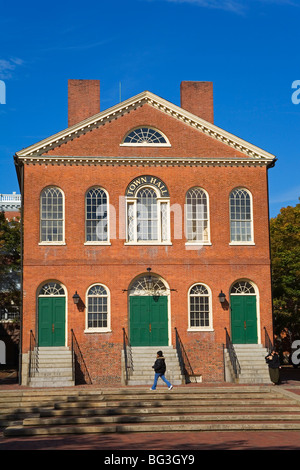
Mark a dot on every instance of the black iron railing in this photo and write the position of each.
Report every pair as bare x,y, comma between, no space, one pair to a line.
79,369
185,365
127,356
33,356
232,355
268,343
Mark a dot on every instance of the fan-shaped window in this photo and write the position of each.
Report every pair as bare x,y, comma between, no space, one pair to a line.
98,308
52,288
52,215
142,286
200,315
145,136
242,287
241,216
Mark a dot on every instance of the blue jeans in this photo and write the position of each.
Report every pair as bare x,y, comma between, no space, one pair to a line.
162,378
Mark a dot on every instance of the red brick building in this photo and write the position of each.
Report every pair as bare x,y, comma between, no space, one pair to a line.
148,211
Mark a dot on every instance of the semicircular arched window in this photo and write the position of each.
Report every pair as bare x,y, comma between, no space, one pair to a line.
145,136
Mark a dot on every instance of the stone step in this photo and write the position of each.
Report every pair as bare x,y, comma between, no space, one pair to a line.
182,409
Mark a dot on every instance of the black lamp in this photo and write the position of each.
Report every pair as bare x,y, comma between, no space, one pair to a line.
76,298
222,297
149,280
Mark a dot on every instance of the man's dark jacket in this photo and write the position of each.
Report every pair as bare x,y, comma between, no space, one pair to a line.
160,366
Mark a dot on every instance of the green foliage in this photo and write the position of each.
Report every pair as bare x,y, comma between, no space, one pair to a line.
10,262
285,255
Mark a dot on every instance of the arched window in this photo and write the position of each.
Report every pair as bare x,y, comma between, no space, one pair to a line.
197,216
52,215
241,223
148,214
98,308
96,210
242,287
145,136
200,312
52,288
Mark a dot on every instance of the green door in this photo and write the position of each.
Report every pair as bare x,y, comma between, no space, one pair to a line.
51,321
243,319
148,320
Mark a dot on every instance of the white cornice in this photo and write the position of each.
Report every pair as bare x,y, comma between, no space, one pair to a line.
142,161
38,149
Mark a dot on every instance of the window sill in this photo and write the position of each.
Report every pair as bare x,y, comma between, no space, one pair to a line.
203,330
52,243
97,243
97,330
198,243
241,244
148,243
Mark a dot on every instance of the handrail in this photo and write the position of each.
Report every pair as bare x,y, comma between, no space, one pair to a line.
232,355
79,369
268,343
33,355
185,365
127,357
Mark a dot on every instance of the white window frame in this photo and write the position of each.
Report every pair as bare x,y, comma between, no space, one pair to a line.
45,242
96,242
106,329
145,144
132,200
197,242
242,242
200,328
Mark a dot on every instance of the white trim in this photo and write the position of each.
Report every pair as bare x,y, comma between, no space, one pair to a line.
257,304
44,242
145,144
197,242
245,242
133,201
201,328
168,295
60,296
106,329
162,105
97,242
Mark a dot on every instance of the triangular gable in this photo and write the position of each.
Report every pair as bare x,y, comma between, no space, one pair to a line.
93,122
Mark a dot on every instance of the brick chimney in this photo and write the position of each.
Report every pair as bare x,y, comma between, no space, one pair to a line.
197,98
83,100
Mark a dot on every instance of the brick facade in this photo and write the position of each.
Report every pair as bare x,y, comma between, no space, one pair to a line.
77,265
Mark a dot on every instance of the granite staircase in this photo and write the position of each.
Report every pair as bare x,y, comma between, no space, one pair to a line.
186,408
52,368
253,368
143,358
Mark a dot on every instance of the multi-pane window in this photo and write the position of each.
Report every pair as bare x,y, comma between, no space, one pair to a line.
147,217
98,308
240,216
197,217
145,136
96,227
52,215
199,307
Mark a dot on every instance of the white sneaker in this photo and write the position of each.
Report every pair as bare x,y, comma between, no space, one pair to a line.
152,389
171,386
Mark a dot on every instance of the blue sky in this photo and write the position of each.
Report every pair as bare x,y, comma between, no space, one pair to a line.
249,49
